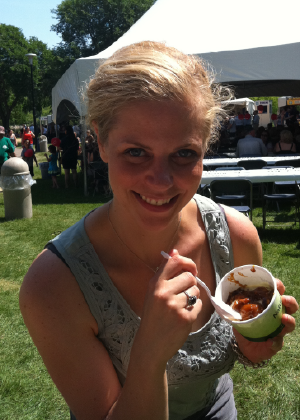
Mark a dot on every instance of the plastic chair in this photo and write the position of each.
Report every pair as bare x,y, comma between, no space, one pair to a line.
250,155
295,163
236,193
230,168
252,164
283,195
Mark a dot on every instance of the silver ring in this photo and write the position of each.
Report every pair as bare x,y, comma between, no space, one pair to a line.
191,300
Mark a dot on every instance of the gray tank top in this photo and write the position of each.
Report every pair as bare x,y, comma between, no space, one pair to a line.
195,372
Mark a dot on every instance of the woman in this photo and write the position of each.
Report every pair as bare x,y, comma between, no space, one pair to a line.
28,156
286,144
28,135
100,302
12,138
69,146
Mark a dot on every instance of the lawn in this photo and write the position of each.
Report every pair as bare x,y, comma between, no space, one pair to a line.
26,390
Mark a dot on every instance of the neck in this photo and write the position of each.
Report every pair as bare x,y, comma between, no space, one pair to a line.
142,244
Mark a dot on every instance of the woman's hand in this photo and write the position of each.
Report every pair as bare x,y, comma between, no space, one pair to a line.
166,320
257,352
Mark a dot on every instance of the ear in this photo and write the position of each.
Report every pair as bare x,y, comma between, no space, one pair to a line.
102,152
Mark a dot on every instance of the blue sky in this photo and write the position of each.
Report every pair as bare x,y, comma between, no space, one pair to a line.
33,17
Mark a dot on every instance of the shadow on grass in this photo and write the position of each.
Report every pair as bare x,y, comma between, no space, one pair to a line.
43,193
280,235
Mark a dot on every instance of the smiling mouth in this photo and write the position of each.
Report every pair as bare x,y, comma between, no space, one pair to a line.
155,202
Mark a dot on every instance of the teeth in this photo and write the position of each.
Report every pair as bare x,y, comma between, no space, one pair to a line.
155,202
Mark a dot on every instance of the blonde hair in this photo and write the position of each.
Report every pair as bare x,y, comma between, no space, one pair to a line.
286,136
153,71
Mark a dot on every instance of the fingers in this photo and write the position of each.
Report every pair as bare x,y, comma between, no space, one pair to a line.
290,303
184,296
289,325
178,264
280,286
178,271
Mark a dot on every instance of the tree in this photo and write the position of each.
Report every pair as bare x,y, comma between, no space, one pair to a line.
15,79
14,71
274,100
93,25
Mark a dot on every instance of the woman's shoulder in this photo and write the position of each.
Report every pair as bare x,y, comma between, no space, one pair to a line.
244,238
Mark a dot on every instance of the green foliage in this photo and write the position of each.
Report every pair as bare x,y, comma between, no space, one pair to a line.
14,70
89,26
274,100
15,74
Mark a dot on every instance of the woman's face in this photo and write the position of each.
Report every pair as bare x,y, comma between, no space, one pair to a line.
26,144
154,155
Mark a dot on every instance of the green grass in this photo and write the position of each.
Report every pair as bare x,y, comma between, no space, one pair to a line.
26,390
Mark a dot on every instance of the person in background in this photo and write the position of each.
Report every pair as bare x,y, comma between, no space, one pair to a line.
251,145
280,118
247,121
7,149
124,333
28,135
77,130
239,123
12,138
255,122
53,169
28,155
286,144
69,147
267,142
231,127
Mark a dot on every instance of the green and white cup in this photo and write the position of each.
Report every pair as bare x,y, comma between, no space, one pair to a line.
265,325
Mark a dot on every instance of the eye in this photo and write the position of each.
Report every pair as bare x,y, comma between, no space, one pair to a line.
186,153
136,152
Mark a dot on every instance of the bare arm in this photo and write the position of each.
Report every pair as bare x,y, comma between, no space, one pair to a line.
65,333
247,250
244,238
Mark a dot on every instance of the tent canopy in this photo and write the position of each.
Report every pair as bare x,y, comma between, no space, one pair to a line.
242,103
252,59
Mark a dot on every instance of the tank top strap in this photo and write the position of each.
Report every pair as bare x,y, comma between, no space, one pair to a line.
218,235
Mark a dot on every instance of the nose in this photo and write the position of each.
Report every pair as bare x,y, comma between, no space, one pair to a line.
159,174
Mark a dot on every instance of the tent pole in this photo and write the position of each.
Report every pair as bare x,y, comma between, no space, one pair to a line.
83,136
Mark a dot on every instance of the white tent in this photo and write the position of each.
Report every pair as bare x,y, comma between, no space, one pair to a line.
258,59
242,103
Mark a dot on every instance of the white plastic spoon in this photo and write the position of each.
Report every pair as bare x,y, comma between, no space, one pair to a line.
224,310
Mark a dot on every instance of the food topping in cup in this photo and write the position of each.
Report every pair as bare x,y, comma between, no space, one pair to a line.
250,303
233,280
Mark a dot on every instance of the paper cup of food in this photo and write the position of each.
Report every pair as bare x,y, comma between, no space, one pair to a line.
251,290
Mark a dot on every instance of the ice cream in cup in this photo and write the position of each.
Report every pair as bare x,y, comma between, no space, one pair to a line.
261,320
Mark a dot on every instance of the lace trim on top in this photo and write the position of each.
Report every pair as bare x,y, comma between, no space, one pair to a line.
206,353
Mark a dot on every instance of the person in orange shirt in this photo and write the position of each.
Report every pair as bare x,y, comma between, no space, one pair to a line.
28,135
